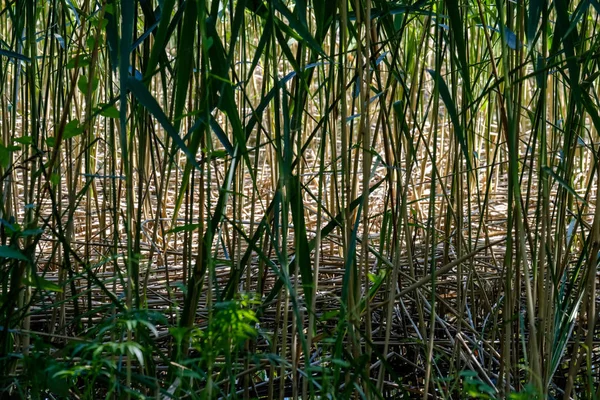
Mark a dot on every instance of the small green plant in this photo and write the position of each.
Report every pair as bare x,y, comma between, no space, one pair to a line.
232,324
474,387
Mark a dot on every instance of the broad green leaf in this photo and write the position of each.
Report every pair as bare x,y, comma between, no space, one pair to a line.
80,60
161,38
32,232
184,228
12,253
112,28
41,283
83,84
534,13
24,140
4,156
457,30
110,112
72,129
55,179
451,107
13,54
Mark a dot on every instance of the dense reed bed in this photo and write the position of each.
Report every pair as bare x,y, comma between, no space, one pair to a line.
299,199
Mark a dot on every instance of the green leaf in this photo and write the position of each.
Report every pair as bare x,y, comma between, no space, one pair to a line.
110,112
72,129
112,29
563,183
90,42
457,27
340,362
303,258
161,37
32,232
55,179
12,54
12,253
299,28
102,24
218,153
329,315
41,283
534,13
83,84
451,107
134,349
185,60
184,228
81,60
4,156
23,140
